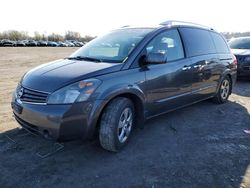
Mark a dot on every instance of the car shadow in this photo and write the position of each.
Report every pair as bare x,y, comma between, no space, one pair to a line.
202,145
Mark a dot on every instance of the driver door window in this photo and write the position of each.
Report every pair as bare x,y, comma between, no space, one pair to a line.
169,43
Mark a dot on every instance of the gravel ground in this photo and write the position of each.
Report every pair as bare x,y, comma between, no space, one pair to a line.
202,145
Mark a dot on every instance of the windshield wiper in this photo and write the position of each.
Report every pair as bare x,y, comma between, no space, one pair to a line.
85,58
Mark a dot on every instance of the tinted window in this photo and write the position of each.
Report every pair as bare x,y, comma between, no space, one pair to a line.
168,42
197,41
220,43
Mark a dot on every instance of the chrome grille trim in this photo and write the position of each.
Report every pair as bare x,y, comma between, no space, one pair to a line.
32,96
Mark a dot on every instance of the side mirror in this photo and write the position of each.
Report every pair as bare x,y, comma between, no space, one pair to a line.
156,58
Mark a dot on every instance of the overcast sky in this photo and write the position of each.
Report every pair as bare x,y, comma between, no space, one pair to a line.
95,17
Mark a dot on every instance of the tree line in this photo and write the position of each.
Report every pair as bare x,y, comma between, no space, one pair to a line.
72,35
229,35
23,35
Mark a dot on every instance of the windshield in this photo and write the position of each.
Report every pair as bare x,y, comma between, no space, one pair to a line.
113,47
240,43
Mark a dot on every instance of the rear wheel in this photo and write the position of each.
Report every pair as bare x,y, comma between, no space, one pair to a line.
224,91
116,124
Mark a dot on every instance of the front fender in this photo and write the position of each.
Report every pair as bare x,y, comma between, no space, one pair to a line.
120,89
105,97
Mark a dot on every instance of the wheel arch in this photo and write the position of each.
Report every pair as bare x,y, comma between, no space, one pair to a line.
137,99
226,73
231,80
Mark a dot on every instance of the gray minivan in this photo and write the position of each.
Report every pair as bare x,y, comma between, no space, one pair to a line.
119,80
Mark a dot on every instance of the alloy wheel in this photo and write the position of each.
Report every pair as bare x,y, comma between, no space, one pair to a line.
224,90
125,125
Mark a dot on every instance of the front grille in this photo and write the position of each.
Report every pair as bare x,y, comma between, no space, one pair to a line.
246,68
32,96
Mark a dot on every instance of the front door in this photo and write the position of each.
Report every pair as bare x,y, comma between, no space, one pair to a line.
168,85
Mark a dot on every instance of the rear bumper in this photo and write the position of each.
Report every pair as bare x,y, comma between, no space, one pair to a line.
59,122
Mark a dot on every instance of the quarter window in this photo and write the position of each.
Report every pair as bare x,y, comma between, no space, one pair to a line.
220,43
169,43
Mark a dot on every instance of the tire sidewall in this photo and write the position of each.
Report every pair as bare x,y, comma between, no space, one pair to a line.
128,104
219,91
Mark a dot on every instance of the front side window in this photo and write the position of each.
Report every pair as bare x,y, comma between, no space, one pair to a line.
169,43
113,47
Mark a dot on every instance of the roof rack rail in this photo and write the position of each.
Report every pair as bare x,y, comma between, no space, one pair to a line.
176,22
125,26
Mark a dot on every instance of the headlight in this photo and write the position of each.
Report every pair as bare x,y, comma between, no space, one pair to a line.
77,92
247,58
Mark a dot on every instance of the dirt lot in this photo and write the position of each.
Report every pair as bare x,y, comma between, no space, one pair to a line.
199,146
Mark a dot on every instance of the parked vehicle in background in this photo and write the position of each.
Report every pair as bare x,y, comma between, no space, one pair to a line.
20,43
70,44
62,44
41,43
241,49
30,43
6,42
52,43
80,43
129,75
76,43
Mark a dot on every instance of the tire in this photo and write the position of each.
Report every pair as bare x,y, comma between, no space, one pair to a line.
223,91
116,124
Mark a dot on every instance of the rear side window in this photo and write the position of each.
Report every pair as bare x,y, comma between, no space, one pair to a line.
220,43
197,41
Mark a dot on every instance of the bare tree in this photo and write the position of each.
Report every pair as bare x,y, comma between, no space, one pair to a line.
72,35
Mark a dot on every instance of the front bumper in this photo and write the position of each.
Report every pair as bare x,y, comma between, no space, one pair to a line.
243,70
243,67
59,122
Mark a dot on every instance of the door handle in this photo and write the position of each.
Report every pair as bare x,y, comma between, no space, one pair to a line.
197,66
186,68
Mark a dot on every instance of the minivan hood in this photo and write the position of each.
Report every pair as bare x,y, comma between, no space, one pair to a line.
54,75
240,51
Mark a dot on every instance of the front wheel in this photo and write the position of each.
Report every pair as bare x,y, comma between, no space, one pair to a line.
223,91
116,124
